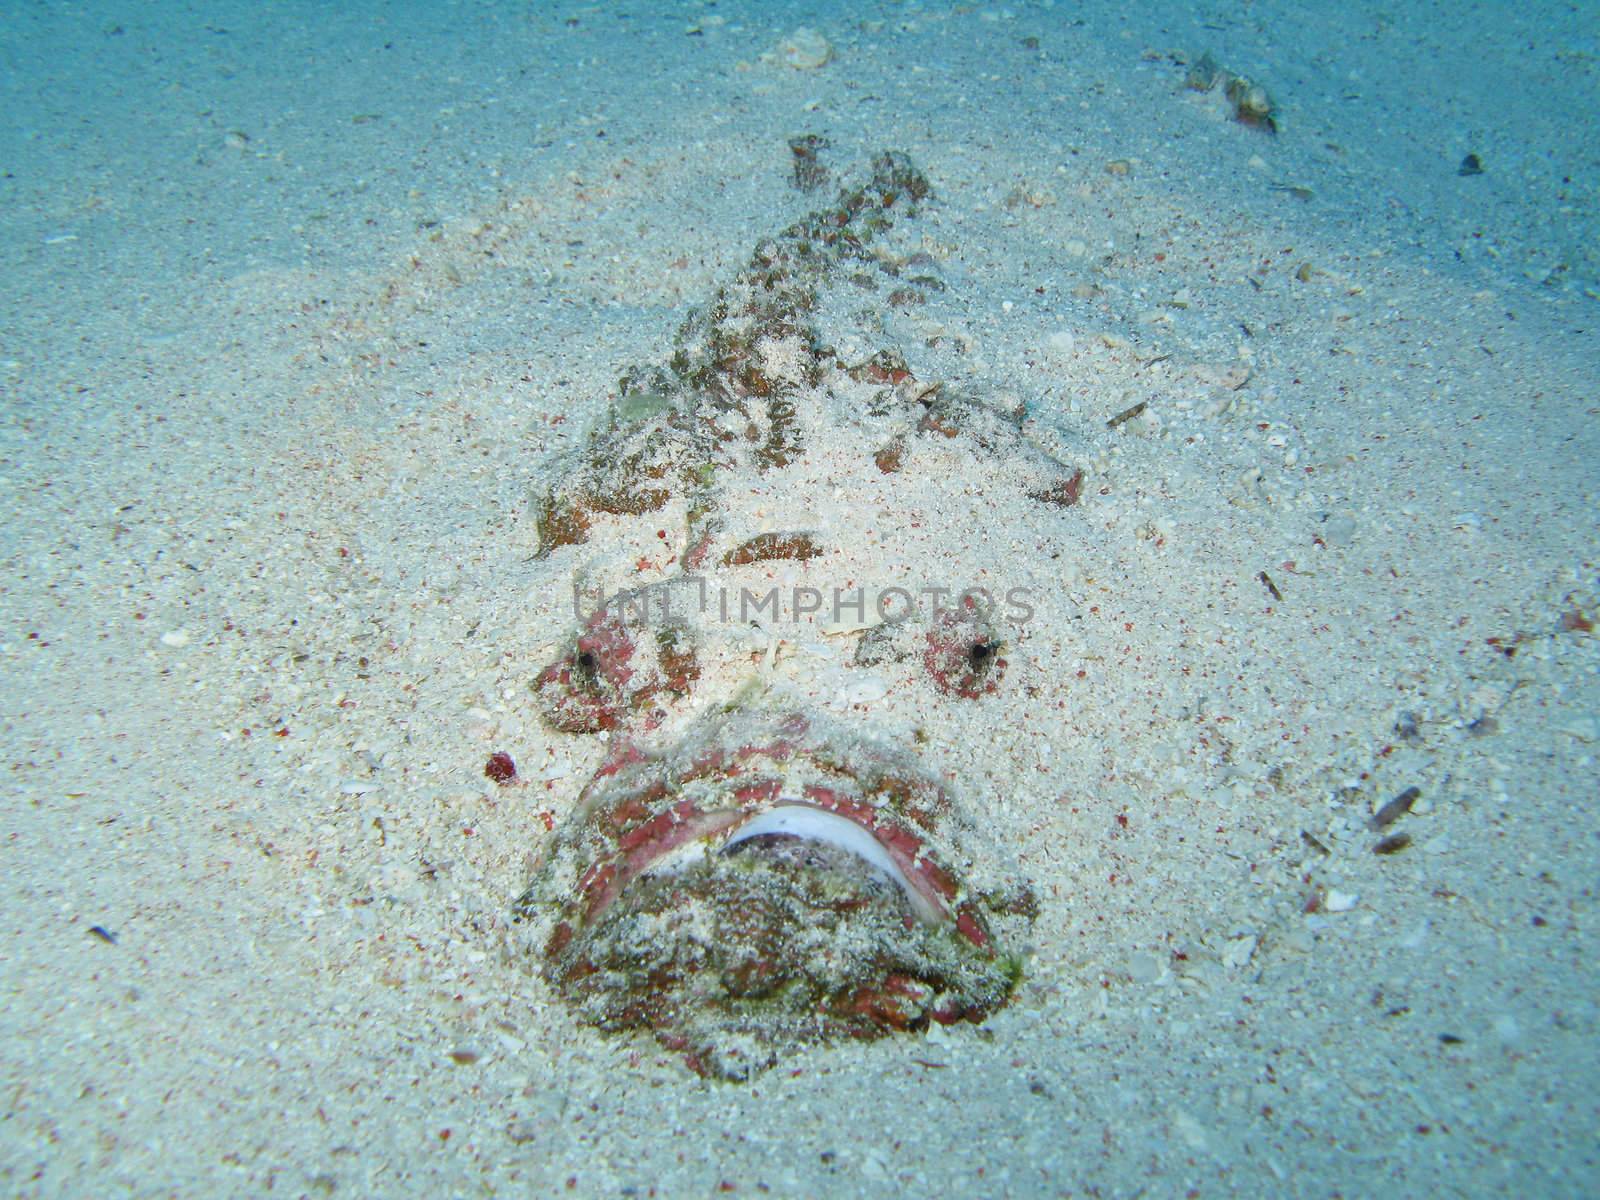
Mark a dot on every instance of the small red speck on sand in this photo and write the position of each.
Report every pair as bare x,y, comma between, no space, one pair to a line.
282,731
500,767
444,1135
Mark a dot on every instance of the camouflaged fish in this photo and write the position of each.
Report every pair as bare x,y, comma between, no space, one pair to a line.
761,536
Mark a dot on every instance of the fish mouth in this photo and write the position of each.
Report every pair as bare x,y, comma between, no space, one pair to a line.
768,883
825,841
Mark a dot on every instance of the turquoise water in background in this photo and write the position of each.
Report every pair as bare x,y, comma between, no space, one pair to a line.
213,138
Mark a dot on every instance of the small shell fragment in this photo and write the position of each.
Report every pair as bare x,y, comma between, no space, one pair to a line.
805,50
1338,901
842,628
864,691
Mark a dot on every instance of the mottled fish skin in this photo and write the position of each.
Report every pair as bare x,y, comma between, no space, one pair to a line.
737,957
648,910
729,403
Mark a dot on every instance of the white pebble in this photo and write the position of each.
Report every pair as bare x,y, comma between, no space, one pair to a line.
1239,951
175,637
1144,968
1339,530
805,49
1340,901
1190,1130
864,691
1415,938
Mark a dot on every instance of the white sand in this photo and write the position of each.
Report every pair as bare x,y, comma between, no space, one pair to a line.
298,307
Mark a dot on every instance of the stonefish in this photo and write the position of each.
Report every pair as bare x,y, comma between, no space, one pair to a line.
779,600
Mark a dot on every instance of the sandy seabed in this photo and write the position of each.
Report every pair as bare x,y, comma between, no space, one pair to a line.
303,306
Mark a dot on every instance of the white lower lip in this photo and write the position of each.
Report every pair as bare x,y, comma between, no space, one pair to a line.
816,825
819,825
